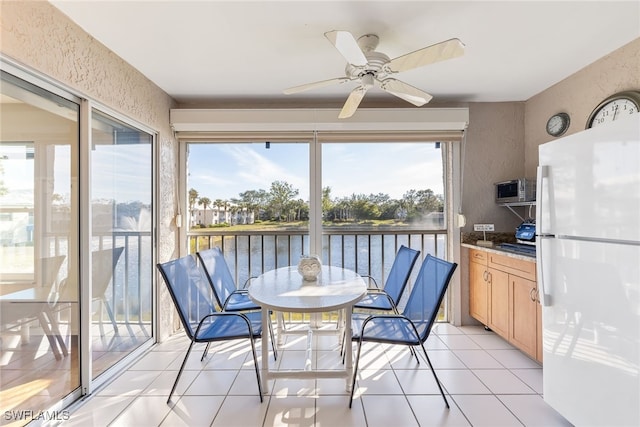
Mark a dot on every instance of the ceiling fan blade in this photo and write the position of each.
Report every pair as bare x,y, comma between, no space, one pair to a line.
347,46
315,85
405,91
438,52
351,105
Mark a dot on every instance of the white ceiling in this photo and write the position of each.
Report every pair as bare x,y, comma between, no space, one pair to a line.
219,52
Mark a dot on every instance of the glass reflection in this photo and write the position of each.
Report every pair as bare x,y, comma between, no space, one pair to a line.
121,190
39,316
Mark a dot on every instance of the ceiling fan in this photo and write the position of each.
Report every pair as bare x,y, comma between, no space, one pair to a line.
371,68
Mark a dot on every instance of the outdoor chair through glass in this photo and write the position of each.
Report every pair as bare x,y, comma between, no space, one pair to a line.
413,326
202,322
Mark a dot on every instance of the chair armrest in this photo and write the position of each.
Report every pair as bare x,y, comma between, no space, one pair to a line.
220,314
376,291
246,282
371,279
373,317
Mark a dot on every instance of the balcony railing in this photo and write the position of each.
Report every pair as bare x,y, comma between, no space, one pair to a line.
129,294
367,251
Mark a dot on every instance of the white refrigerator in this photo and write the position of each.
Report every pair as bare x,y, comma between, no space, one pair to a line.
588,260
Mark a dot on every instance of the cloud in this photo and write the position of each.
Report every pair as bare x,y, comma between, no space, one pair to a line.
225,170
234,168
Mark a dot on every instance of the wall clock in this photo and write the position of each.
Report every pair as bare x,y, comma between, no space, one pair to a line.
558,124
617,106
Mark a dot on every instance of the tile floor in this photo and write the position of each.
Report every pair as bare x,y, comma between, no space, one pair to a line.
487,382
31,376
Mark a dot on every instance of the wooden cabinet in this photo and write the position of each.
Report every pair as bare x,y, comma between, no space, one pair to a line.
503,296
478,286
523,315
499,302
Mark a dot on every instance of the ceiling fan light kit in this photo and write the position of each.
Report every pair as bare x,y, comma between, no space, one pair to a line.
371,68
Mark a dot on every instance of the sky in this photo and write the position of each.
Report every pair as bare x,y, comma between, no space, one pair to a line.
223,171
119,172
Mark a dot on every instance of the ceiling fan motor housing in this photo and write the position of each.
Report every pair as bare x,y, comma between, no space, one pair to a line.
375,61
368,42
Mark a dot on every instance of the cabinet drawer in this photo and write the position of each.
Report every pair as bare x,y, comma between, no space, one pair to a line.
478,256
517,267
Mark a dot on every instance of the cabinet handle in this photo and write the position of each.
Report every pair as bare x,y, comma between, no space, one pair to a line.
534,295
489,277
485,276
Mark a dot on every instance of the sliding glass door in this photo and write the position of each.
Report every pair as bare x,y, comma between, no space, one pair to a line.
39,262
67,232
121,243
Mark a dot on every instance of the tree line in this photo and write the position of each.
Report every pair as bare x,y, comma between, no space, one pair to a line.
281,203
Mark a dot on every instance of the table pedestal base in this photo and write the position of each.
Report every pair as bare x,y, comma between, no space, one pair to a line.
314,328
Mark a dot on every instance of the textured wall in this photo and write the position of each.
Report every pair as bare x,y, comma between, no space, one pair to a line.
503,138
38,36
494,151
578,95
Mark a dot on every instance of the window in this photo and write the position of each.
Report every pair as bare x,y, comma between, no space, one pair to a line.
256,201
380,195
250,199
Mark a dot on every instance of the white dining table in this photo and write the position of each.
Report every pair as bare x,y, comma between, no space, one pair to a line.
284,290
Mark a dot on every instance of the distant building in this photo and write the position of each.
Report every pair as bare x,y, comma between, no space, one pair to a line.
231,214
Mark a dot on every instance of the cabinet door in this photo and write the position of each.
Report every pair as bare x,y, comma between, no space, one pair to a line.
478,292
523,315
499,302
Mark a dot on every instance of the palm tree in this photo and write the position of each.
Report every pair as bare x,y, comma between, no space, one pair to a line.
219,203
193,199
205,202
327,204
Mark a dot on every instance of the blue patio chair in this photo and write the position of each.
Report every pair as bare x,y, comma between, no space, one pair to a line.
191,294
228,297
388,298
413,326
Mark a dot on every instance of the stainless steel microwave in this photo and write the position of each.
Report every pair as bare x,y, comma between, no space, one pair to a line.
516,190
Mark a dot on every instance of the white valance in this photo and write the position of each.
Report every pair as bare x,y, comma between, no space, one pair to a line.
300,124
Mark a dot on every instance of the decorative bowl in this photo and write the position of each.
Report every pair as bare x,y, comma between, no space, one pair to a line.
309,267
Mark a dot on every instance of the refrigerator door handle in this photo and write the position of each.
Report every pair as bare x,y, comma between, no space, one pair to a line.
540,178
545,298
542,174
